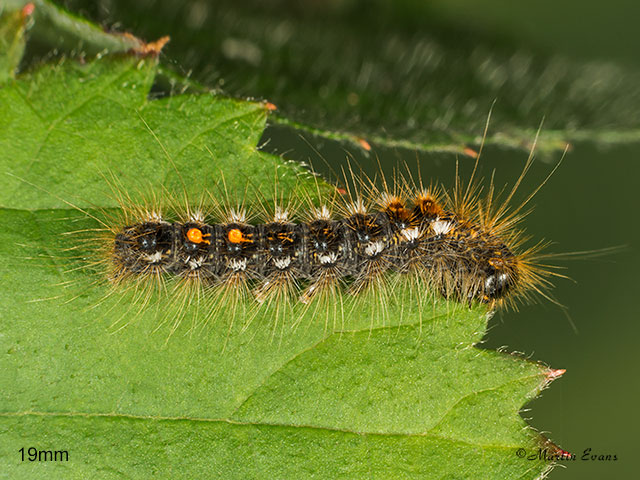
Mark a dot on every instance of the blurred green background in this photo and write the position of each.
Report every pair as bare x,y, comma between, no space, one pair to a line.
589,203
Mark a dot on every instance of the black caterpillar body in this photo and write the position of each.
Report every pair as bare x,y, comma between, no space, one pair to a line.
458,257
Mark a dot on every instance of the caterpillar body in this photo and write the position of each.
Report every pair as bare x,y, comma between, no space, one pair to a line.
459,251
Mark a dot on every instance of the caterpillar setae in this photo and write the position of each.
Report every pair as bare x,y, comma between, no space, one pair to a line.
460,257
309,251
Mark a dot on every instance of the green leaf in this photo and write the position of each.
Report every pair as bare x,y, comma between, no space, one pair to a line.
404,394
361,402
68,124
388,72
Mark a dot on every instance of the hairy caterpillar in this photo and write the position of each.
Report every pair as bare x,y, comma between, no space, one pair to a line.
460,257
307,251
314,251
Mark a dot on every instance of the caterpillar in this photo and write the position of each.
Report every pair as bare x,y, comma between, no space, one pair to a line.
307,251
458,246
461,257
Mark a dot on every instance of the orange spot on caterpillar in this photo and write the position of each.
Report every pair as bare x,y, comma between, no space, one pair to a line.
236,236
195,236
270,106
341,190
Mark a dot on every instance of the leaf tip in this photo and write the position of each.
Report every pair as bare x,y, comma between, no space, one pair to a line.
470,152
364,144
151,49
27,10
554,373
